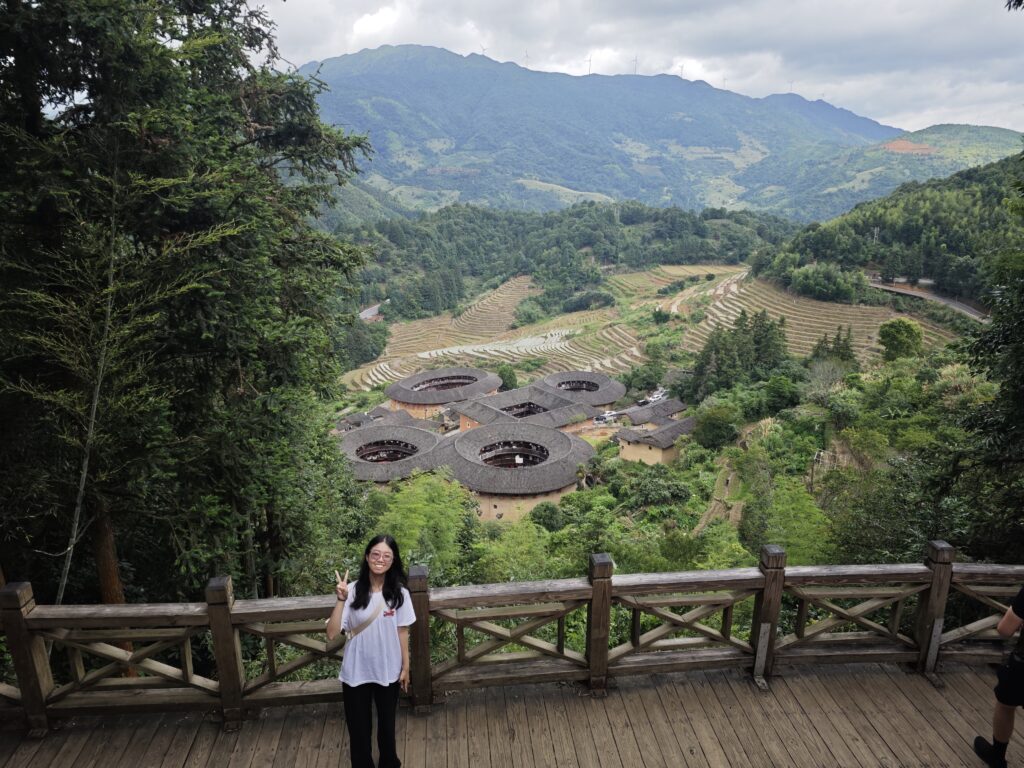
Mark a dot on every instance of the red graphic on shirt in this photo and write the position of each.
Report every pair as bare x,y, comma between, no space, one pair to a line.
389,613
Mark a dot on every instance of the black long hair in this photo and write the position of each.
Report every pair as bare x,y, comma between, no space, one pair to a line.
394,577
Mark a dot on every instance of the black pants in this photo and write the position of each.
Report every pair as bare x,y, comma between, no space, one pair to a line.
359,702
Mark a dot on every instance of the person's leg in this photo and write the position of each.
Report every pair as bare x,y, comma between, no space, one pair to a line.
387,712
994,753
359,719
1002,722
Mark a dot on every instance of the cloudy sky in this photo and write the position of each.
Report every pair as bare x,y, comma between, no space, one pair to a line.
908,63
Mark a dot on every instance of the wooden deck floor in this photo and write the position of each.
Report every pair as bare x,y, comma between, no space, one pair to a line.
864,715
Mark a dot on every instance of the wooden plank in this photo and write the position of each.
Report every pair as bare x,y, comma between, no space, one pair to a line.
203,744
591,739
294,721
858,732
693,690
499,731
640,723
108,742
477,675
678,744
907,573
747,721
269,739
796,702
104,702
246,743
117,616
218,754
46,749
160,742
510,593
519,728
893,730
987,573
415,755
333,749
77,738
312,735
891,701
477,741
186,732
561,727
695,734
934,712
307,608
458,743
144,734
540,729
613,705
777,730
686,581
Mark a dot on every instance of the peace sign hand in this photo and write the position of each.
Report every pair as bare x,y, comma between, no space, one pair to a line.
341,588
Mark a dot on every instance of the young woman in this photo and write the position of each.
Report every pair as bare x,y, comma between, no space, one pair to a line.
377,612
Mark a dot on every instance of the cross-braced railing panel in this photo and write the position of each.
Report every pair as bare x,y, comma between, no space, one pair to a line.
483,631
840,612
684,619
980,597
282,641
682,622
129,658
287,648
825,614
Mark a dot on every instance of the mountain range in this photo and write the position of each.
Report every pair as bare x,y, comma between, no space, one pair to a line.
447,128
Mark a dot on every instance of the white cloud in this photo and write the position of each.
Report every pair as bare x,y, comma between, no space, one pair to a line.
910,63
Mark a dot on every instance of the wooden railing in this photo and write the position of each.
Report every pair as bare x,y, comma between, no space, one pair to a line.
78,659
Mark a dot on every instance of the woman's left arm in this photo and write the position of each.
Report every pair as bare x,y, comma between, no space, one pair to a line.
403,640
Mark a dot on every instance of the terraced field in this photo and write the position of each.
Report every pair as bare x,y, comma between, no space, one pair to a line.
598,340
638,286
806,319
482,337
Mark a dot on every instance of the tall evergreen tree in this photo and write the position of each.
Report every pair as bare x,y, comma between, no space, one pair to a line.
168,314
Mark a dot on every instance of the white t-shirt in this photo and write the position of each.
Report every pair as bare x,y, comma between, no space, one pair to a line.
374,655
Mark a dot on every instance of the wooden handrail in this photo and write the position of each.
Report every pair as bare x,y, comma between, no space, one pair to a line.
505,633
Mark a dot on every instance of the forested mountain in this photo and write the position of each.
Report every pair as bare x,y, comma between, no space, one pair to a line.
940,229
431,264
447,128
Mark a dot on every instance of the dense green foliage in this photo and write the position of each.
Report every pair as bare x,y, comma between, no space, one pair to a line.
943,230
169,313
749,351
451,129
426,266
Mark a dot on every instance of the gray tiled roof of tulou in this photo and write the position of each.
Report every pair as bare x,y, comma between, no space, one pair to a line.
663,437
607,391
476,383
461,452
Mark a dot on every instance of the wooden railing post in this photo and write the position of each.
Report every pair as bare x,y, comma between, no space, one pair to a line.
31,664
419,653
767,605
227,649
599,619
931,610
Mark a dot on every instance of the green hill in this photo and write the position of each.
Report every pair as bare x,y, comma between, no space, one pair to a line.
447,128
940,229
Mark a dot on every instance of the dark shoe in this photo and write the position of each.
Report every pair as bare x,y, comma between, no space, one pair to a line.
987,752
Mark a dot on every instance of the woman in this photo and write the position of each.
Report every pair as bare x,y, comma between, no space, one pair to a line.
376,613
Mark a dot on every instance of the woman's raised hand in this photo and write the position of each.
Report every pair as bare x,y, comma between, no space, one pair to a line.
341,588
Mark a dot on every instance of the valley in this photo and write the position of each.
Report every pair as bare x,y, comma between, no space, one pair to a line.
610,340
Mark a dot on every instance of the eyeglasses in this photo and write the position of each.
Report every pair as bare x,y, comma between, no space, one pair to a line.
384,557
